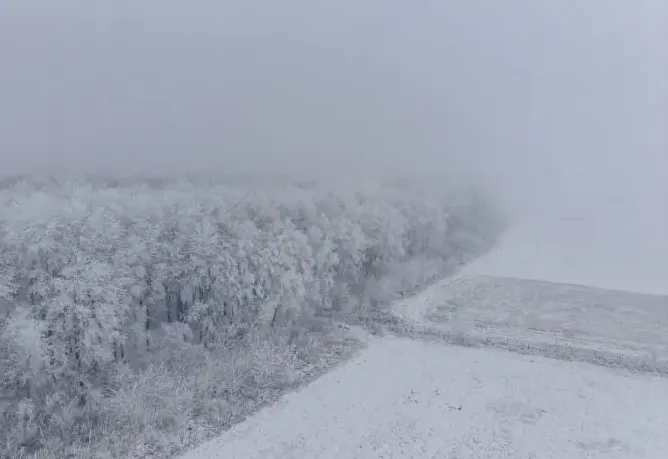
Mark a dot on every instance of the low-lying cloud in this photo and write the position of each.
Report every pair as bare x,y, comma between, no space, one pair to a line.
557,102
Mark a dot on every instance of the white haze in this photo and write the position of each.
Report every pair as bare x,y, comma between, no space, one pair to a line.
543,103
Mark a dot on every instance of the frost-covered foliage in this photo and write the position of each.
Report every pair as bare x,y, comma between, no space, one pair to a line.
110,287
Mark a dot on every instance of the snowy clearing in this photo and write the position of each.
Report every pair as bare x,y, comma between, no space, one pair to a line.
409,399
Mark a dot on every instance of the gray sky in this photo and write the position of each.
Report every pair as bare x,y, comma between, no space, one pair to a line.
568,97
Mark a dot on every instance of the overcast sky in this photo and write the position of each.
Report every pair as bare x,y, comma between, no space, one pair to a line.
567,96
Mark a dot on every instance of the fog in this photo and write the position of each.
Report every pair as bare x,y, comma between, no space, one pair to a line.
541,102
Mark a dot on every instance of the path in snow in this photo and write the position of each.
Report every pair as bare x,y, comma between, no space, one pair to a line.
404,398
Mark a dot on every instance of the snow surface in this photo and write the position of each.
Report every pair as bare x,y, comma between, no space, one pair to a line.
406,398
409,399
569,322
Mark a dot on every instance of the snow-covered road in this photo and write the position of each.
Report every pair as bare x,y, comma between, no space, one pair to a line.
406,398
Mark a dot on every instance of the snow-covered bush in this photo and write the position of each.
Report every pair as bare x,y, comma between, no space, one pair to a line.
106,283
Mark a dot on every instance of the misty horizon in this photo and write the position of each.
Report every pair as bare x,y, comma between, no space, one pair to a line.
551,101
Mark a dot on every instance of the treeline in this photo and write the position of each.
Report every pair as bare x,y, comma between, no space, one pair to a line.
96,277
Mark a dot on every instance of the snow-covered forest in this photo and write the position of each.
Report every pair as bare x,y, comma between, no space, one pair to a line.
145,315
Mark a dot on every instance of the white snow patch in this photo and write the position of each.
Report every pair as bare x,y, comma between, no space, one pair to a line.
410,399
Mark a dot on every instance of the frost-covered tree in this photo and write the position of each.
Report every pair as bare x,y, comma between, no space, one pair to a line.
102,281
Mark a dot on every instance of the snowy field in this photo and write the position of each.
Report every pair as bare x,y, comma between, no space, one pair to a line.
436,401
442,401
565,321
